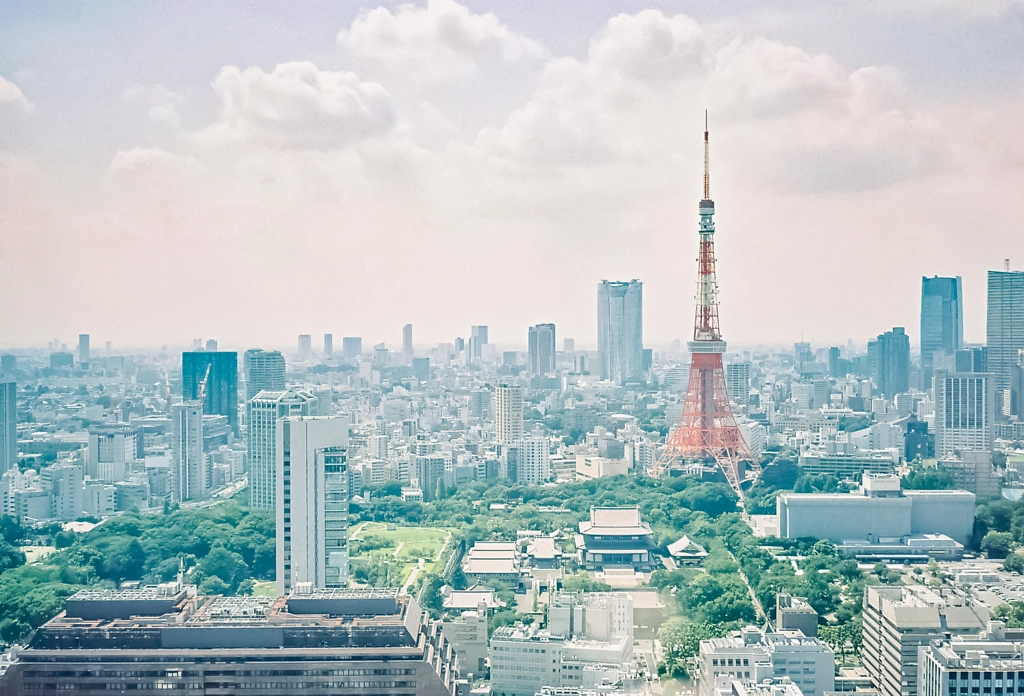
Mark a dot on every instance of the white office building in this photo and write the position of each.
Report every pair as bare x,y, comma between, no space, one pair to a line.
737,382
508,414
966,664
312,502
899,620
965,409
263,412
589,642
112,452
66,483
534,460
191,474
754,655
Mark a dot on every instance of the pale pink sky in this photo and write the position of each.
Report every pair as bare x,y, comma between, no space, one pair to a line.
173,170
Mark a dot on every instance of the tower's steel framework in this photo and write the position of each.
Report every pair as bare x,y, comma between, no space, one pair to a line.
707,431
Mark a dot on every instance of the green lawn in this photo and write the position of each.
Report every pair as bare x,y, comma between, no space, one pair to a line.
411,544
265,588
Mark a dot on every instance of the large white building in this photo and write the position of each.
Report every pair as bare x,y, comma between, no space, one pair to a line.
882,511
965,410
589,641
508,414
191,474
263,412
312,502
753,655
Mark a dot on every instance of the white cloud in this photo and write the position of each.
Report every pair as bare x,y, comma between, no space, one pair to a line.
439,42
298,105
10,93
161,104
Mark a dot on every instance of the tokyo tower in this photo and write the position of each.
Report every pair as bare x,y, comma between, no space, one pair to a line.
707,432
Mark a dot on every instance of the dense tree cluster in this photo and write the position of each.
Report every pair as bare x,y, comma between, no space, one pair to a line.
225,547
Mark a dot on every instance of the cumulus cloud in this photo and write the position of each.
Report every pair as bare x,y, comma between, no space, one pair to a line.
161,104
11,94
297,105
439,42
804,120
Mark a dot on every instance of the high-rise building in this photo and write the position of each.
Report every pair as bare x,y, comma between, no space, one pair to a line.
83,349
191,475
477,341
264,371
965,410
211,345
429,472
8,365
305,346
620,334
568,345
262,414
889,361
312,502
351,347
421,368
1016,390
542,349
219,371
1005,325
8,426
942,322
508,414
737,382
407,352
328,346
113,450
534,465
971,360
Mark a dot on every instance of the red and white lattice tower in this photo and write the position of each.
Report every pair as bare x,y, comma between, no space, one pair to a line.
707,432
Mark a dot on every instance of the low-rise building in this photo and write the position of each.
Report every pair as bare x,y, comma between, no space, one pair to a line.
588,644
989,662
880,513
754,655
795,614
157,638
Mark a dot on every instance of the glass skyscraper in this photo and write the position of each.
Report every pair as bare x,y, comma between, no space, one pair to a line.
889,362
942,322
1005,330
620,330
221,396
264,369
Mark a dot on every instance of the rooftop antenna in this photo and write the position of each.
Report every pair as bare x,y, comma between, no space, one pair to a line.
1006,264
707,172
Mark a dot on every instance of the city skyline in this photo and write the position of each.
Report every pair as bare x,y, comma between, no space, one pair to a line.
166,166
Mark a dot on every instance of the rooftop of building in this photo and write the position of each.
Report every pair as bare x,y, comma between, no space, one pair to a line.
162,616
617,521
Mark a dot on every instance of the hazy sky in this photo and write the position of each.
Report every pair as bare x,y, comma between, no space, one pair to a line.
252,171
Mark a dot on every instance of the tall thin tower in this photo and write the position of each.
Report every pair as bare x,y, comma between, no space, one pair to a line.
707,430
